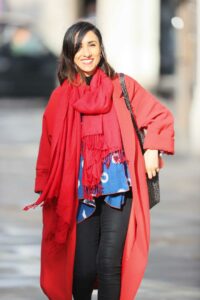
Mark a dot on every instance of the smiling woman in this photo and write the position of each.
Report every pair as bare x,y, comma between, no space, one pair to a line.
96,229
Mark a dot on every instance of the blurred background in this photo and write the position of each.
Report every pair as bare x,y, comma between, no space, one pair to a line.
158,43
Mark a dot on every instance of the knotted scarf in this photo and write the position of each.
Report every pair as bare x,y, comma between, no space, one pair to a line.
85,122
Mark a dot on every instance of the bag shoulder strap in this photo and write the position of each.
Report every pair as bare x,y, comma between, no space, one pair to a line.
128,105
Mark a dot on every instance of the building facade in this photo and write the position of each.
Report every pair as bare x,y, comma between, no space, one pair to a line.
149,40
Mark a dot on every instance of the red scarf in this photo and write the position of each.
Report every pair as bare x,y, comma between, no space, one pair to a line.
99,134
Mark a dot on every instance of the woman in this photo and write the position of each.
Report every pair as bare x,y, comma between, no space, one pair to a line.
92,175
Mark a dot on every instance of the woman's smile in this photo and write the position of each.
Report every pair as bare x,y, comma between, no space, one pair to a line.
87,61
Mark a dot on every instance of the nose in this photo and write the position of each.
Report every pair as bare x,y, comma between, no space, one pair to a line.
86,51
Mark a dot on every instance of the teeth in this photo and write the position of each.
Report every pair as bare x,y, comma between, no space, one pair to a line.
86,61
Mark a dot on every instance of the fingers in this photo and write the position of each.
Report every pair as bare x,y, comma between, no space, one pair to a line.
152,173
151,162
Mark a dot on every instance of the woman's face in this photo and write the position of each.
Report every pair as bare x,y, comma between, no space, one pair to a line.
88,56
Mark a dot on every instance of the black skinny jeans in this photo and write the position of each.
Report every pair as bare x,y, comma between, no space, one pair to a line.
99,250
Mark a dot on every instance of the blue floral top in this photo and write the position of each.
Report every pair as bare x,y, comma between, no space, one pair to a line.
115,181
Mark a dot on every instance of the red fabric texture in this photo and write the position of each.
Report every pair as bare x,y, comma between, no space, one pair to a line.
98,140
63,175
100,129
57,266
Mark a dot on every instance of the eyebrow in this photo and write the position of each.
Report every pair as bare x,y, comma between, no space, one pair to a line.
92,42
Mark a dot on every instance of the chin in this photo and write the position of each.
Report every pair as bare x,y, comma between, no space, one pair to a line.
89,72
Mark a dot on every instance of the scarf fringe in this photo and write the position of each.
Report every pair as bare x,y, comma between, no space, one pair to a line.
118,156
93,191
41,202
34,205
96,190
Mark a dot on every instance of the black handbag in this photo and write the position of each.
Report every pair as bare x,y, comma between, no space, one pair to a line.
153,184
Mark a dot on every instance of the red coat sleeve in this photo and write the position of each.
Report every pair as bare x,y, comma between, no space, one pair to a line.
43,159
152,115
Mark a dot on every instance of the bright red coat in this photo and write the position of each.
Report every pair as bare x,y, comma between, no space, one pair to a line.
57,268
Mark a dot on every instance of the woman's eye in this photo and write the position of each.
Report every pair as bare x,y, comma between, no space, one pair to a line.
92,45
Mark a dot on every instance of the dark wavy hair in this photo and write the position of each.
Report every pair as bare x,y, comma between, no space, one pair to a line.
66,66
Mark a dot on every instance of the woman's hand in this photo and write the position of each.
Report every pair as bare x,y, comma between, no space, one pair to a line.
151,162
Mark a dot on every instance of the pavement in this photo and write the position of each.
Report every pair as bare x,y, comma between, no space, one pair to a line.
173,271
